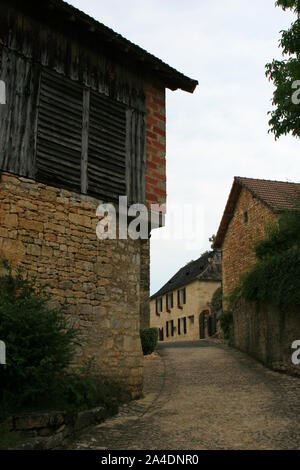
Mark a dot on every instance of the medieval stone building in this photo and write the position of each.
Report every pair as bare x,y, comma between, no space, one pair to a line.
83,122
181,308
252,205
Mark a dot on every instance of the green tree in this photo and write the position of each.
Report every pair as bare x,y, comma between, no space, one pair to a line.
285,74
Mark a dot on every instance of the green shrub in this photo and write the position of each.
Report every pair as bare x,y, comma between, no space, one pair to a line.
39,342
149,339
40,346
83,387
226,322
216,301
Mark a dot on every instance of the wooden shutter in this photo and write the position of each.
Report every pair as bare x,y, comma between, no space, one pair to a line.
106,148
59,132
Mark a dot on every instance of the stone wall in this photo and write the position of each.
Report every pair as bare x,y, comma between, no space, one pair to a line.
51,233
266,333
198,297
246,226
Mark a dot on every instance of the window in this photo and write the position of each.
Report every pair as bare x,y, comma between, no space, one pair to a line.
184,325
172,327
159,305
246,216
88,142
178,327
169,301
192,319
167,329
181,296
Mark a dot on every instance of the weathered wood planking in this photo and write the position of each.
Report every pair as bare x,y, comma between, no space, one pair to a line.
18,116
74,117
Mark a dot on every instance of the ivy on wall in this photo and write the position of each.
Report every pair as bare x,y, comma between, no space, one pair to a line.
275,278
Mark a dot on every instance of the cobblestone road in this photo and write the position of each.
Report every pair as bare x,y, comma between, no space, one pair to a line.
203,395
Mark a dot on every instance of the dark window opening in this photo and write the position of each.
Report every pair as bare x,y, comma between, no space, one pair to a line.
184,325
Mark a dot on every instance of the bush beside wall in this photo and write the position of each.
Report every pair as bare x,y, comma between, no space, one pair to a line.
149,339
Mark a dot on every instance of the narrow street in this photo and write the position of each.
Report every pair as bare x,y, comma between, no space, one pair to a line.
203,395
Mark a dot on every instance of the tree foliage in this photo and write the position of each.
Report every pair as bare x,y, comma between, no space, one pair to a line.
285,74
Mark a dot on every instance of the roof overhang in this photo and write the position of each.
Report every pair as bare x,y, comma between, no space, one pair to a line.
58,11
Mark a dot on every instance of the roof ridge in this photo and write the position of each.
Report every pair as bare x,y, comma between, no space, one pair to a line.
177,281
262,179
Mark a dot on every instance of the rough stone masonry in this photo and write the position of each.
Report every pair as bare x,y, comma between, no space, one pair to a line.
51,233
103,284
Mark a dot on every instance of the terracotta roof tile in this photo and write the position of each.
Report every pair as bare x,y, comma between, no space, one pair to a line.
276,195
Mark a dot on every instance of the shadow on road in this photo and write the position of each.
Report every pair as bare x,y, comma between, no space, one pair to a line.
201,343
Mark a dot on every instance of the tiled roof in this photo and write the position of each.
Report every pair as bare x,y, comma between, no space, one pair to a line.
205,268
276,195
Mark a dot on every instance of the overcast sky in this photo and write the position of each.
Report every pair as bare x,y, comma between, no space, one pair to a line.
221,130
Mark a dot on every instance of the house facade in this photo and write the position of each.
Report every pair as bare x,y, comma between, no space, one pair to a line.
82,123
181,307
252,205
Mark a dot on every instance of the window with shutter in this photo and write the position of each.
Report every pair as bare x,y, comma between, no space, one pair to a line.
106,148
89,142
59,132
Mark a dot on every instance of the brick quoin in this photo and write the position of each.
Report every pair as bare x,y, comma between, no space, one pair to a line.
155,145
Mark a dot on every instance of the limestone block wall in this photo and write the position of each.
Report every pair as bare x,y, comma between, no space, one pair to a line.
51,233
198,297
247,226
267,333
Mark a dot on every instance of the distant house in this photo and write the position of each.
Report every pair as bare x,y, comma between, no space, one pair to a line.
252,204
180,307
82,122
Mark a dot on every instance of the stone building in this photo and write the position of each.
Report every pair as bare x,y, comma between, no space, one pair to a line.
83,122
179,309
251,206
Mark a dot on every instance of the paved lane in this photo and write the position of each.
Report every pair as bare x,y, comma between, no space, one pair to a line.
202,395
